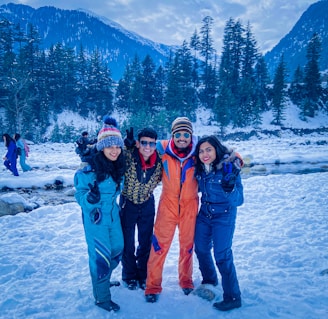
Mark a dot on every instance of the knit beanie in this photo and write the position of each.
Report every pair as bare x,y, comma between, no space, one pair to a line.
109,135
181,124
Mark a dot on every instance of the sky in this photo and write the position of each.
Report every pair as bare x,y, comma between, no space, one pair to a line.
173,21
280,241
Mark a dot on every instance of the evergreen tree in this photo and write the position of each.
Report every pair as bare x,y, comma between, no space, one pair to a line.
82,81
196,47
296,90
189,102
7,59
262,80
23,91
55,84
207,51
223,106
195,44
100,95
174,94
160,87
148,84
137,101
123,91
312,80
247,96
230,72
279,94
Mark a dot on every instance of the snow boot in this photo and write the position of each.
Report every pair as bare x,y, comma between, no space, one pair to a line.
109,306
226,305
131,284
187,291
152,298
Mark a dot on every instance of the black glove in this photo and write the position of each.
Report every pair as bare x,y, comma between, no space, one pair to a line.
129,141
93,196
229,176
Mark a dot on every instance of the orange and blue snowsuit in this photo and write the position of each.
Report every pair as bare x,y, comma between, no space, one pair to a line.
178,206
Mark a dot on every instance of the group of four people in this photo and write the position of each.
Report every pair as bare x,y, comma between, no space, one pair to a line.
185,167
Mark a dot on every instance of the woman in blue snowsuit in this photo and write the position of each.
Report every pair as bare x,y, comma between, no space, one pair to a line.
98,186
22,157
217,171
10,159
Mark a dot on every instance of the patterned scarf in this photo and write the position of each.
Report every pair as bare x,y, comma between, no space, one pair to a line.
181,152
149,163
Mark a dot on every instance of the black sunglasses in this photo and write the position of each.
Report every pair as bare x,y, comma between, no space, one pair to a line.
186,135
145,143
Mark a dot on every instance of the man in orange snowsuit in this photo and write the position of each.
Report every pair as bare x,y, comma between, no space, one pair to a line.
178,206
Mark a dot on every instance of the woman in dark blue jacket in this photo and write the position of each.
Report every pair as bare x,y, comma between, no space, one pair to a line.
98,186
217,171
10,159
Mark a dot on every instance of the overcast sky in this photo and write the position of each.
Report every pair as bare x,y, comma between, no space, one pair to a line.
173,21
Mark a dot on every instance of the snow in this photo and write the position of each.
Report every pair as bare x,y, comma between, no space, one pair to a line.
280,242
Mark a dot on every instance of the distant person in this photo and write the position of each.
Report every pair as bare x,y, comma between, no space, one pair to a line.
10,159
217,172
85,148
143,173
98,186
178,206
22,151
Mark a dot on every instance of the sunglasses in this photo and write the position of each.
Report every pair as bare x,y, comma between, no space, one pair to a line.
185,135
145,143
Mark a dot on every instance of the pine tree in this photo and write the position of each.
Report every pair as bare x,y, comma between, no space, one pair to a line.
148,84
160,88
196,47
7,59
137,101
262,80
247,96
123,91
312,80
82,81
296,89
230,72
207,52
279,94
100,95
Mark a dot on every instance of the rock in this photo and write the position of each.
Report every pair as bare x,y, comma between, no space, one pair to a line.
12,204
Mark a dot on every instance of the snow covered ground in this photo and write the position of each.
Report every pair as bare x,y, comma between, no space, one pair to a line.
280,243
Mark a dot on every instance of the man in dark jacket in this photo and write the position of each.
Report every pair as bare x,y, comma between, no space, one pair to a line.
85,147
143,173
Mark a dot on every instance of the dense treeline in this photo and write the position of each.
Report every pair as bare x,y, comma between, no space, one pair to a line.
36,85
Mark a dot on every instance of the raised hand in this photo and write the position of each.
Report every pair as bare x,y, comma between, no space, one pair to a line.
93,196
230,172
129,141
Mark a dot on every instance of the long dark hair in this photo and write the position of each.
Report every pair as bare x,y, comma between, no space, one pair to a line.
17,136
220,151
105,168
8,139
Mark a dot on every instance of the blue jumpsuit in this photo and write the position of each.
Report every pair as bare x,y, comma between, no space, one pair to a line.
102,229
215,227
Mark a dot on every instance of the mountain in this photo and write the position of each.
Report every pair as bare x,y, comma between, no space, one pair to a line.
73,27
294,44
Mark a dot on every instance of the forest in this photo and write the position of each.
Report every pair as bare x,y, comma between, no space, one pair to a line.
36,85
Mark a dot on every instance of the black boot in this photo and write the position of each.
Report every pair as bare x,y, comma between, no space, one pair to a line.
108,305
226,305
187,291
131,284
152,298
